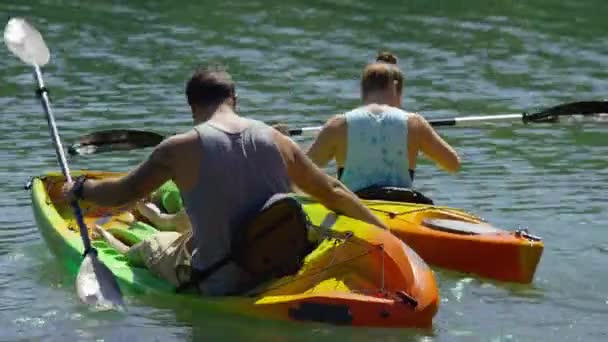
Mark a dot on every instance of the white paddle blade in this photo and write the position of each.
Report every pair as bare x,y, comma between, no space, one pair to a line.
25,42
96,285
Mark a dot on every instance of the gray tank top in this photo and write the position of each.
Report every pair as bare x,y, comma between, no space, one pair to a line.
238,173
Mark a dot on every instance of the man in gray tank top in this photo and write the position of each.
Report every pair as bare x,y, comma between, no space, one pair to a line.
225,168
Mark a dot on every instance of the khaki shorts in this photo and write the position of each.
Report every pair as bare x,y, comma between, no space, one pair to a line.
161,253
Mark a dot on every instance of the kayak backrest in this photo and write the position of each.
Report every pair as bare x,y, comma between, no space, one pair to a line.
272,244
394,194
275,242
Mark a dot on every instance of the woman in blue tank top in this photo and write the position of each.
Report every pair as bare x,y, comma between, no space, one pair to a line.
377,144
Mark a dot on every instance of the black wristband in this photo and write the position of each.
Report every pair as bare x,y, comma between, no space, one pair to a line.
40,91
78,188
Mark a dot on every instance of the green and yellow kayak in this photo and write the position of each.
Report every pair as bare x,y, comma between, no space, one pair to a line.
358,275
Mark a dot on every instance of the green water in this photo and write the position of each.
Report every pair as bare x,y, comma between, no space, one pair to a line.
124,66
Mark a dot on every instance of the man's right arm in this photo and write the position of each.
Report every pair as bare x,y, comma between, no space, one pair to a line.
327,190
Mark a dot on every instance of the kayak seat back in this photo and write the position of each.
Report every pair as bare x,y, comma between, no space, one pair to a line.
394,194
275,242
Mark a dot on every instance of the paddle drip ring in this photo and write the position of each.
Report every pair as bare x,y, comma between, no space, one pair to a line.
41,90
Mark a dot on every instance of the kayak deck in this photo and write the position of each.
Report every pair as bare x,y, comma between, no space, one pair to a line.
361,275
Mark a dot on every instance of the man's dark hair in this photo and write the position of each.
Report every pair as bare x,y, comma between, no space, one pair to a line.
209,86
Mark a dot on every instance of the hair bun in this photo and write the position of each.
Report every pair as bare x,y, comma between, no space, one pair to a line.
386,57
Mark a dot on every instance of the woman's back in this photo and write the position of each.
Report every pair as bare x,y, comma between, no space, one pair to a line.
376,148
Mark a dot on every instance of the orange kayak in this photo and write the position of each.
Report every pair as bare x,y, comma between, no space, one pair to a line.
358,274
456,240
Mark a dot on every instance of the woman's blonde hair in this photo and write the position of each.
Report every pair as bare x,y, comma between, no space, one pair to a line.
382,74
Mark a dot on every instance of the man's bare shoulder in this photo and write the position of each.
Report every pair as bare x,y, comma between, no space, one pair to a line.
176,145
180,140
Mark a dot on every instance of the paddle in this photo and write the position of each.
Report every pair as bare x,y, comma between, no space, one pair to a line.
114,140
128,139
548,115
124,139
95,283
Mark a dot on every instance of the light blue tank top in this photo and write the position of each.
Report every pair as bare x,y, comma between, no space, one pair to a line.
377,151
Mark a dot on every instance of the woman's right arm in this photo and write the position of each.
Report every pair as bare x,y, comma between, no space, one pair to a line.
433,146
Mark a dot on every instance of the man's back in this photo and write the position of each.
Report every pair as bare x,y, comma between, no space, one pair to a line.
237,173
